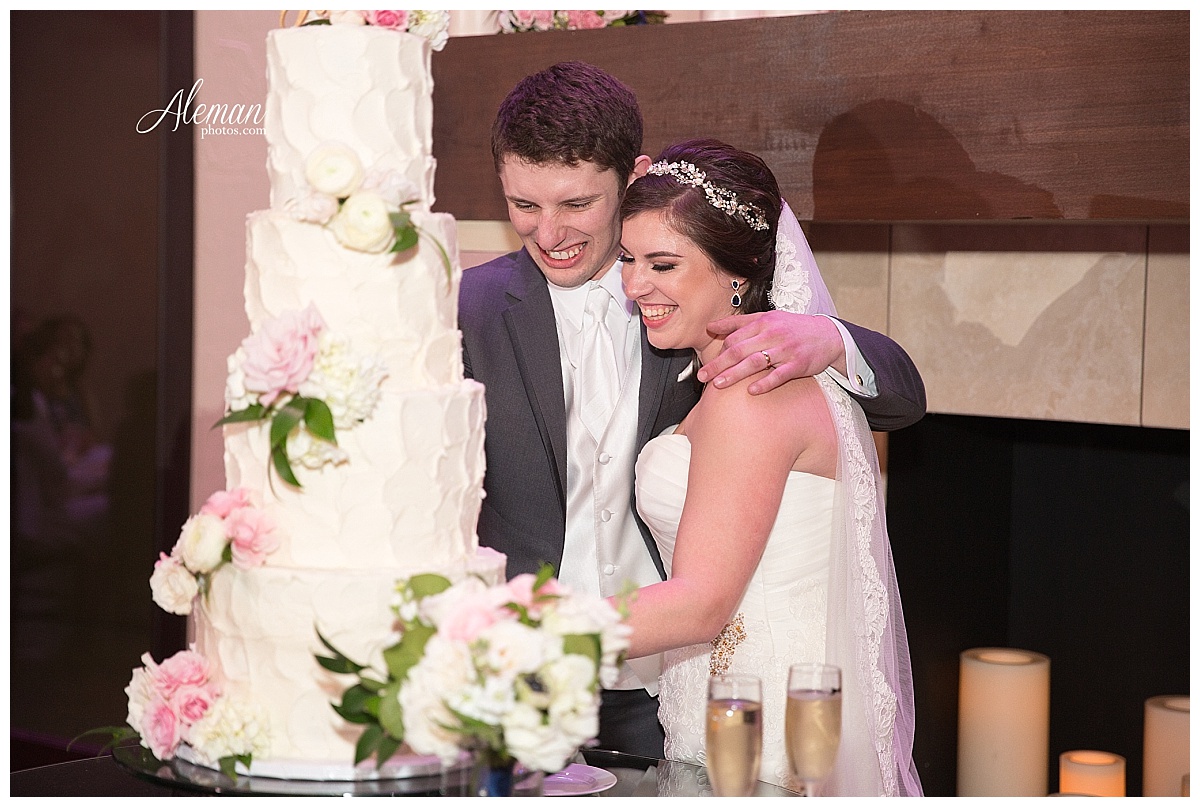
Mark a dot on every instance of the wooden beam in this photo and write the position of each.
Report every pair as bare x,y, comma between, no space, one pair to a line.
878,115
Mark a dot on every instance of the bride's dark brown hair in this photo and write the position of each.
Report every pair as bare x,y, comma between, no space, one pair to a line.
727,239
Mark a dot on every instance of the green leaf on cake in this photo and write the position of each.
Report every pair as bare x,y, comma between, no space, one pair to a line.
283,466
115,734
247,415
383,752
339,663
228,765
317,418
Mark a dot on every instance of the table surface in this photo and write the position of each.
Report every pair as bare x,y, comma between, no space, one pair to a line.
138,774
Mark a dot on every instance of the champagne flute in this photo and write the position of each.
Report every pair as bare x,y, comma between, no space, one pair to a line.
733,733
813,722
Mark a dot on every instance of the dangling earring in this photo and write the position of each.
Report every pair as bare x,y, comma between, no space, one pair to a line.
736,300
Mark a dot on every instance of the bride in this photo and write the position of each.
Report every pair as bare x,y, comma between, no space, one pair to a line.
767,508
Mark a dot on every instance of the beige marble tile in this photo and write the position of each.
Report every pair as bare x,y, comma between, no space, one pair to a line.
1023,321
1165,385
854,262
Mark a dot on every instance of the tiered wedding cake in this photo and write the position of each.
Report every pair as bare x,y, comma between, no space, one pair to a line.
370,335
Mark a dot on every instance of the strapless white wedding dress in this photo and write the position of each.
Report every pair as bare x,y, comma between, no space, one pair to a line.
780,620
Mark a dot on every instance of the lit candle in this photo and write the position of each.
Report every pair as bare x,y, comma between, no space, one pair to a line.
1003,722
1091,773
1165,745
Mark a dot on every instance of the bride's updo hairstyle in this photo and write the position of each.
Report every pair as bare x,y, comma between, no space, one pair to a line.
738,236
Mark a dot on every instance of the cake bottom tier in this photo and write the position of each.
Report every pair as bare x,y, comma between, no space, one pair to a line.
258,630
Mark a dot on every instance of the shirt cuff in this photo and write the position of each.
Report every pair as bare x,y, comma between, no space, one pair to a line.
862,380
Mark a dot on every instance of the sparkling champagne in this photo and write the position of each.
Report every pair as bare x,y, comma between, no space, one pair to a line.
813,729
733,734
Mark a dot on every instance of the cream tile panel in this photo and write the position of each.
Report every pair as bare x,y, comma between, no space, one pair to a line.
1023,321
1165,398
853,259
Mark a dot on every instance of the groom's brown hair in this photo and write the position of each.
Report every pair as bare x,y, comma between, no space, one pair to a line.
569,113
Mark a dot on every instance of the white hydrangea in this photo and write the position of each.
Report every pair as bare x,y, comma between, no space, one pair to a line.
348,384
433,25
237,397
313,452
231,727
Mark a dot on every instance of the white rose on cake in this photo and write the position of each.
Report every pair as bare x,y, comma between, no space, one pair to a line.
364,223
202,543
173,586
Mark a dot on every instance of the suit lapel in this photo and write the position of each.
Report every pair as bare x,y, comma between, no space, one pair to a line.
530,322
660,369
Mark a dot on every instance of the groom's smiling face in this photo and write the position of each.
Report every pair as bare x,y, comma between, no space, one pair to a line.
568,216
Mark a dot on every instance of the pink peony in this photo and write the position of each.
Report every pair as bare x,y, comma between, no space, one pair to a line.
190,702
583,20
279,355
161,730
388,19
224,502
252,536
185,668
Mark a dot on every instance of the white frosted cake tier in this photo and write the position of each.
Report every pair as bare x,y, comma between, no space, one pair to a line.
257,627
369,88
403,307
409,494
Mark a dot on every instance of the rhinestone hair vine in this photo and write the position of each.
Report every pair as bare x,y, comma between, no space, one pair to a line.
720,198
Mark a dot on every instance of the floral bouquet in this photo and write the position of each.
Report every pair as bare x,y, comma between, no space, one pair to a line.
308,382
542,20
177,702
228,529
510,672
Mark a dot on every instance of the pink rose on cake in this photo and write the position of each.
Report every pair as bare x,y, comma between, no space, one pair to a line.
396,20
279,356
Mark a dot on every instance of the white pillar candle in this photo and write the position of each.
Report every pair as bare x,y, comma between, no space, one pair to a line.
1165,745
1091,773
1003,722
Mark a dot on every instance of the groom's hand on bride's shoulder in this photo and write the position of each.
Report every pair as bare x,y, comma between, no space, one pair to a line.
789,345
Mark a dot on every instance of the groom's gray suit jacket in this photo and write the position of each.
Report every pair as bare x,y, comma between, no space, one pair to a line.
510,345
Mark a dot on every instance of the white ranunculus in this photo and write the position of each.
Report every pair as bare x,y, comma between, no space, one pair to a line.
172,586
334,168
364,223
231,727
202,542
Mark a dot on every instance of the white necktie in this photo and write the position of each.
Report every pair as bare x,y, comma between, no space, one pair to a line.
598,382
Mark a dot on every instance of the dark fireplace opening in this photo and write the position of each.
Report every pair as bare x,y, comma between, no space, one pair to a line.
1068,539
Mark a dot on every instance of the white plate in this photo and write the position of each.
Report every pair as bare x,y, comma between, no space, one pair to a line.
577,780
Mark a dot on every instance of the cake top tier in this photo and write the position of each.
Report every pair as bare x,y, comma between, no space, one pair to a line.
366,87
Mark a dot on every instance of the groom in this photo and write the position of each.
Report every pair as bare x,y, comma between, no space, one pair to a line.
559,482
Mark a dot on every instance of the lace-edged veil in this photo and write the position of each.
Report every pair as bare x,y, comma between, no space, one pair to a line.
864,629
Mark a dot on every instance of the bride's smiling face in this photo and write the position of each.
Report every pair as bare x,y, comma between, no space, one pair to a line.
677,287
